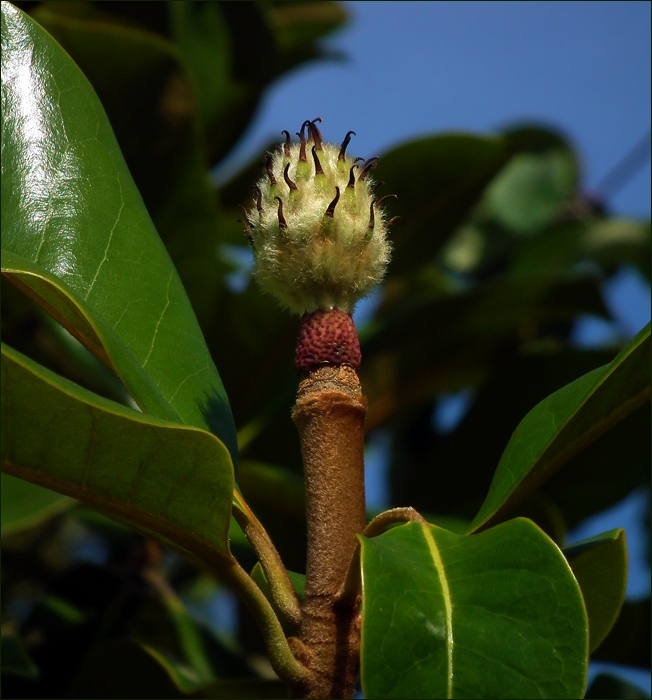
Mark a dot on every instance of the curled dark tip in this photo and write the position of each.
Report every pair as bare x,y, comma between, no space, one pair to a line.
392,220
318,169
331,207
387,196
315,134
345,143
259,198
367,166
286,145
268,166
245,224
282,223
372,219
286,177
351,182
302,138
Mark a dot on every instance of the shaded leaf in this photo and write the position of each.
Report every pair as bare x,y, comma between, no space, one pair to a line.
629,640
273,486
531,190
169,480
565,423
438,180
26,505
254,688
492,615
122,668
600,567
610,687
15,660
298,582
606,471
189,637
298,23
450,472
605,242
235,50
444,343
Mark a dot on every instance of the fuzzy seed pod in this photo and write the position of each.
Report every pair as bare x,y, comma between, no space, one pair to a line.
319,236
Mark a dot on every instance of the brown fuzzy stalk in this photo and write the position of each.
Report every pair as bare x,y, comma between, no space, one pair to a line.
329,412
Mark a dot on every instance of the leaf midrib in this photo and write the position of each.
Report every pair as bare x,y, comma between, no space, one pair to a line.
448,605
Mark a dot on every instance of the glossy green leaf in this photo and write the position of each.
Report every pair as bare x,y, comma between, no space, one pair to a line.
82,240
600,567
495,615
565,423
438,180
25,505
159,133
14,659
163,478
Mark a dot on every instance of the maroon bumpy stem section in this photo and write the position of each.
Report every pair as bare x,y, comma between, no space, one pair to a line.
327,338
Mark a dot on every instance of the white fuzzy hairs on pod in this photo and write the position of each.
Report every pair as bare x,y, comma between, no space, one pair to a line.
319,235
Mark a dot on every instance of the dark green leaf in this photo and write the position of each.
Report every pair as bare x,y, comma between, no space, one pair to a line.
25,505
15,660
452,472
151,101
495,615
272,487
600,567
438,180
169,480
629,640
122,668
443,343
606,686
589,482
298,582
565,423
605,242
254,688
532,190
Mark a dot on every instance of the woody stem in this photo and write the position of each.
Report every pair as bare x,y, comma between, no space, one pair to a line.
329,413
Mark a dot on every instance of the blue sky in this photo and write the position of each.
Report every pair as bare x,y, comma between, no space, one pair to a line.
417,68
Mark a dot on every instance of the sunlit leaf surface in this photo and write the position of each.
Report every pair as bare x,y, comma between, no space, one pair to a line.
495,615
